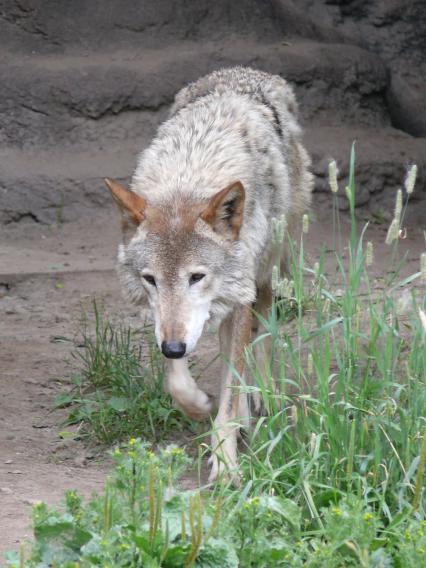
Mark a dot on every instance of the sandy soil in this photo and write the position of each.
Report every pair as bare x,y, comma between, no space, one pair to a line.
47,275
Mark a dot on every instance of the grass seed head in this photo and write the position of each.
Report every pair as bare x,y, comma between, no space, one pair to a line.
369,257
326,307
275,278
423,266
305,223
278,229
422,316
294,414
286,288
393,232
398,206
348,193
313,442
282,288
410,180
317,270
310,364
332,176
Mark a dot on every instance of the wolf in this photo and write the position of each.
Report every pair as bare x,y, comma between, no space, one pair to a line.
198,234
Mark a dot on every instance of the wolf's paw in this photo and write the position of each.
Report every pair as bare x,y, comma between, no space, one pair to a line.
224,464
257,407
200,407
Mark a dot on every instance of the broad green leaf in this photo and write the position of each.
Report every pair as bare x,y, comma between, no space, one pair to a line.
217,553
63,400
286,508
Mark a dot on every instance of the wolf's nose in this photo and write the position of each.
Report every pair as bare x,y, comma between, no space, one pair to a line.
173,349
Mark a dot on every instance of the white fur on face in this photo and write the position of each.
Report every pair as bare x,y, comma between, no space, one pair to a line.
157,327
193,313
153,304
194,328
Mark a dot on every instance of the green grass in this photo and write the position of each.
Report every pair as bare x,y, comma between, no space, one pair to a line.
332,476
348,411
118,390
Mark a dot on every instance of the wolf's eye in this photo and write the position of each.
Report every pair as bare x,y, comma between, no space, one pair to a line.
195,278
150,279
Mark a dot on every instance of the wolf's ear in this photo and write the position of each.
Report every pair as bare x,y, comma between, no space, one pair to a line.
224,213
128,201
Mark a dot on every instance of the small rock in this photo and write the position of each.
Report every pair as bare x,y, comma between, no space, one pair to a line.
30,502
4,289
407,104
80,461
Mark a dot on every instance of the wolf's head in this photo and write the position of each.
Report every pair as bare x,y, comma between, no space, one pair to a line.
185,259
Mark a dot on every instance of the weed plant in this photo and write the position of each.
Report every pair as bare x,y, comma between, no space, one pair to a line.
142,520
118,391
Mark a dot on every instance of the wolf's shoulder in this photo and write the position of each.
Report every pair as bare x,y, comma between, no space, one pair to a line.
258,85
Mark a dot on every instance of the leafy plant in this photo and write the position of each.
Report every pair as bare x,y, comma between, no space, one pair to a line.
142,520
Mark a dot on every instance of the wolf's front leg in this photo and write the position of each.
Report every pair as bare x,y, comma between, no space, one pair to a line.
262,349
235,333
184,390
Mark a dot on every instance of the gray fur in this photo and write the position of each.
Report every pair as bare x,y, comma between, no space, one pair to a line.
224,128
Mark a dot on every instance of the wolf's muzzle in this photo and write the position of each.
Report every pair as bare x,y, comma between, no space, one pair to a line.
173,349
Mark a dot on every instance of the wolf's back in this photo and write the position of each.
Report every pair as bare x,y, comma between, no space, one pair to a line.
269,90
276,104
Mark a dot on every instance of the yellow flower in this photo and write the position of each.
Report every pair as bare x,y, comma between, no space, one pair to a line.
177,451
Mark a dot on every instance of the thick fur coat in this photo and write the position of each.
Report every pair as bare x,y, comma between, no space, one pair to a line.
203,195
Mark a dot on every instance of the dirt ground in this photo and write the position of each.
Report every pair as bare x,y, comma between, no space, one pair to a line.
47,274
